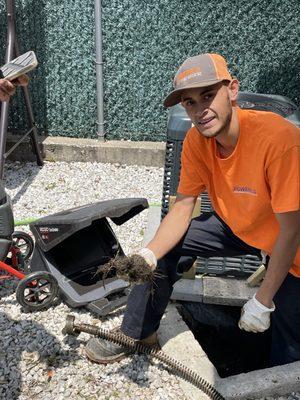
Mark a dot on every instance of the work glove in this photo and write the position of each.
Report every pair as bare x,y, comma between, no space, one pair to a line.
148,256
255,317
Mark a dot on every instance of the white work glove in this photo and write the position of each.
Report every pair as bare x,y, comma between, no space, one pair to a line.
255,317
149,257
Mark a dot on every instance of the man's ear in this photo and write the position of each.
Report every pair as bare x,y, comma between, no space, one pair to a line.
233,89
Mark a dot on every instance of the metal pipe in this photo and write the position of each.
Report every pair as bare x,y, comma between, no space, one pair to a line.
11,33
33,131
99,69
12,49
12,270
8,57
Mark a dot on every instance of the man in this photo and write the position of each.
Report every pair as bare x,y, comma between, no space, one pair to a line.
249,162
7,88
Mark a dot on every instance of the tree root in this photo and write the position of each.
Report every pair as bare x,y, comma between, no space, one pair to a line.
133,269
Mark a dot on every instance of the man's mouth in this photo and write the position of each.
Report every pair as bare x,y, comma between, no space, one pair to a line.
205,121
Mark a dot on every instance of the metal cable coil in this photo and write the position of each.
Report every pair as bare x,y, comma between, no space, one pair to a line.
121,339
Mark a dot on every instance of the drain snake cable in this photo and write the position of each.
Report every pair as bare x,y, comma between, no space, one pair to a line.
121,339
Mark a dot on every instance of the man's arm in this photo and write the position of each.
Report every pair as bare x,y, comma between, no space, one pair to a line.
173,226
282,257
255,315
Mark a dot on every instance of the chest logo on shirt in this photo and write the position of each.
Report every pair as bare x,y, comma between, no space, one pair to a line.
244,190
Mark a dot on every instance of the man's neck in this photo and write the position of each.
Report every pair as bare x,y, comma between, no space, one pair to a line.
227,140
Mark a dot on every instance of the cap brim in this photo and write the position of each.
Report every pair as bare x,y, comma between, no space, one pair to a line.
175,97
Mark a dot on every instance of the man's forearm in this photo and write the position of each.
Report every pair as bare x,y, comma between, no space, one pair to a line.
171,230
281,260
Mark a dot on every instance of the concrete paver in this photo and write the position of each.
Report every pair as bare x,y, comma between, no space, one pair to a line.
226,291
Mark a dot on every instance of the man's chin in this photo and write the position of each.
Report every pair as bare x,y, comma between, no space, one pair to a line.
208,133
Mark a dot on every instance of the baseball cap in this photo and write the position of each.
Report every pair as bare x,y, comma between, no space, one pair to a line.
196,72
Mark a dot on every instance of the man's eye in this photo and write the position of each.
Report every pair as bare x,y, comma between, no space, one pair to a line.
208,96
188,103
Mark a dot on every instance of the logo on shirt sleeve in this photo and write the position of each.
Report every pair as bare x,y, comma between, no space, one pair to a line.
244,190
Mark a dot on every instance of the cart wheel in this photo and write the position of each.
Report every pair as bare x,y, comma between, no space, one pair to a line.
37,291
24,243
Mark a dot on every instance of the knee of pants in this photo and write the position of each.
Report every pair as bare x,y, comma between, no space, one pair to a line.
173,265
185,263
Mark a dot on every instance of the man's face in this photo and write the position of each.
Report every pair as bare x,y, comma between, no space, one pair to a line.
210,108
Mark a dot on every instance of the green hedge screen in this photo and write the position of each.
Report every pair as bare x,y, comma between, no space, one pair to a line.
143,43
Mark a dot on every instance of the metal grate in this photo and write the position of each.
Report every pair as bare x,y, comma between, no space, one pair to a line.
283,110
235,266
171,173
278,104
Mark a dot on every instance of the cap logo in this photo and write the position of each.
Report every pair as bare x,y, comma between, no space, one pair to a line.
188,74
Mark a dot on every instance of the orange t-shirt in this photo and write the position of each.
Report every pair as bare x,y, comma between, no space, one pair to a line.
261,177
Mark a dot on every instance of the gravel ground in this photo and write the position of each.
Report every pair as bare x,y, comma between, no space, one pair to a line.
36,360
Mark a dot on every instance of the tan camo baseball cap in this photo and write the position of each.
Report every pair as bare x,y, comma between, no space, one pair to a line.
198,71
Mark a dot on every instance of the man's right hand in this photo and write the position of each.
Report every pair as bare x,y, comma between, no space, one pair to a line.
148,256
7,89
173,226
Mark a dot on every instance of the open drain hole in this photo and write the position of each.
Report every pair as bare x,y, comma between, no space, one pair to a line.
231,350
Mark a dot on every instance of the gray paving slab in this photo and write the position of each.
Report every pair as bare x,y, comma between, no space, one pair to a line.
269,382
188,290
226,291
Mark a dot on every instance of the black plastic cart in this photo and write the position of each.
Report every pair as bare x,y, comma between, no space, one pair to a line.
72,244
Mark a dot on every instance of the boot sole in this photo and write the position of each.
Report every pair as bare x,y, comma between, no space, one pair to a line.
109,360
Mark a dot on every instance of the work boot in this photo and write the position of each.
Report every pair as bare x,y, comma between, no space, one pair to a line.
103,351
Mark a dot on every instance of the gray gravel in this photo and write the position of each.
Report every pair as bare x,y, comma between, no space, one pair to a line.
36,360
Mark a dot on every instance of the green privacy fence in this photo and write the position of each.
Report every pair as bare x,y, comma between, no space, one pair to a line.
143,43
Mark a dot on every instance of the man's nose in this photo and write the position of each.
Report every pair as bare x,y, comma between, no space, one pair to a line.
200,110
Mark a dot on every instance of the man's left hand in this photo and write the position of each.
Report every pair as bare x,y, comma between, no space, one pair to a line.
7,88
22,80
255,317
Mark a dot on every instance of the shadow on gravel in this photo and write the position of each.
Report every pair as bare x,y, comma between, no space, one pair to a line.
30,342
20,175
8,287
136,369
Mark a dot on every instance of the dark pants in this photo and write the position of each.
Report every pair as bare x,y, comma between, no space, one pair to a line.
286,323
209,236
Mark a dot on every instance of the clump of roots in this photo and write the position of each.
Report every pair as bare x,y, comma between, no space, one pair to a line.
133,269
